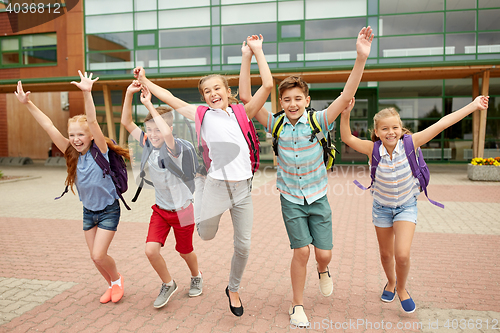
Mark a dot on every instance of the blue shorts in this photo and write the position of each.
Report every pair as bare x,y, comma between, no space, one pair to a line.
106,219
384,217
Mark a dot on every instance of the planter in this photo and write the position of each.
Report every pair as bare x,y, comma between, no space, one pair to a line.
483,172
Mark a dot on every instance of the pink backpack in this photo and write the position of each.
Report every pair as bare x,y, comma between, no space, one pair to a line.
247,128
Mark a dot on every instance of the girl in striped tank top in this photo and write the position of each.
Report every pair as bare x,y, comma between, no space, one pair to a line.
395,189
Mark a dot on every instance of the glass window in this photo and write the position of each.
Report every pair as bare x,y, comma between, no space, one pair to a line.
488,3
461,130
291,51
39,57
181,18
110,60
411,24
109,23
10,58
291,31
42,40
215,15
411,109
216,55
238,14
489,19
318,9
116,41
461,43
238,33
193,56
146,58
411,46
458,87
488,42
290,10
419,88
404,6
185,37
337,28
231,54
330,50
169,4
215,35
372,7
146,39
460,4
461,21
10,44
145,21
228,2
94,7
145,5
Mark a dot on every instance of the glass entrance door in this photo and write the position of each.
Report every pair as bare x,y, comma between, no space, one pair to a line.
361,119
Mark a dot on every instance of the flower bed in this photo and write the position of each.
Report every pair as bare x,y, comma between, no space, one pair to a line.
484,169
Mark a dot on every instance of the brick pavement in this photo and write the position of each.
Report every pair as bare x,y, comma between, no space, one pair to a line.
49,284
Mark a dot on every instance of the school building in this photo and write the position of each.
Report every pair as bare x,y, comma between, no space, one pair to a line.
428,58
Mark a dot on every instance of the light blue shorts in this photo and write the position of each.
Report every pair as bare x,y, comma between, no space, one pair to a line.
384,217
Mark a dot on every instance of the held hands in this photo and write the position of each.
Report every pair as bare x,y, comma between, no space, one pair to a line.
349,107
134,87
22,96
139,73
364,42
481,102
254,42
246,50
86,82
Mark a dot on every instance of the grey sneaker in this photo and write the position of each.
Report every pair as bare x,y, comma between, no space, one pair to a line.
164,296
196,287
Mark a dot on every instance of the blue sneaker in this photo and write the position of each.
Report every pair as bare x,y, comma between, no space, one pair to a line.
388,296
408,304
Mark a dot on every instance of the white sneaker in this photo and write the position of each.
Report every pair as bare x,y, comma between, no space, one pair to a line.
298,317
325,283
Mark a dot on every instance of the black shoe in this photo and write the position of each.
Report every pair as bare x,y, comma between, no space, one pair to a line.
237,311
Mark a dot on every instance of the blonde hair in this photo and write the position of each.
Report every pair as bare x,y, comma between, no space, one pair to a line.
232,97
165,112
386,113
71,154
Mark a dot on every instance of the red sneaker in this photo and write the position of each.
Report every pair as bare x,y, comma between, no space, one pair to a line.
117,291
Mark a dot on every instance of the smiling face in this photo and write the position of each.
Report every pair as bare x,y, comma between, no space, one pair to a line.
294,103
79,136
215,93
154,134
389,130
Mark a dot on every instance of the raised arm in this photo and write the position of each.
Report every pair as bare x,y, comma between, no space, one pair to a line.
59,140
257,101
362,146
187,110
126,119
162,125
244,82
424,136
363,46
85,86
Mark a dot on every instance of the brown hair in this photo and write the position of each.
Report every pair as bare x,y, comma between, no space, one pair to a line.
232,97
386,113
292,82
71,155
165,112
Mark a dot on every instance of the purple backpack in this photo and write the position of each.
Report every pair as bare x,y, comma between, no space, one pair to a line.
419,169
116,168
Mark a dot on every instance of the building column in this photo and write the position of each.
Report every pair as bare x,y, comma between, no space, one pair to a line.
108,105
475,117
485,85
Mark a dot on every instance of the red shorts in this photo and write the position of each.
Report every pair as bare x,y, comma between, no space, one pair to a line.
183,223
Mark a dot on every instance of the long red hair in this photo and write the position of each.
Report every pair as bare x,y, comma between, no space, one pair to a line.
71,155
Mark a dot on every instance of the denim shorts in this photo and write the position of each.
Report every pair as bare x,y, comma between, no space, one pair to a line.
384,217
106,219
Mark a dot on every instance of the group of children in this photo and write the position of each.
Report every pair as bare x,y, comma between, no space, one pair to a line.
226,183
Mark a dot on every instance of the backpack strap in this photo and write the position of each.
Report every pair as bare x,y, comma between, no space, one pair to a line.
103,163
147,149
416,168
373,166
245,123
325,142
201,144
277,128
